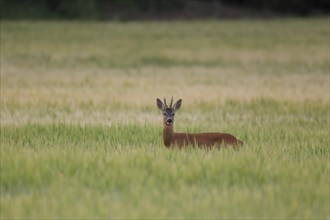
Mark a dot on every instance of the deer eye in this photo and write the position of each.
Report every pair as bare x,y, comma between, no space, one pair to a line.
173,114
164,113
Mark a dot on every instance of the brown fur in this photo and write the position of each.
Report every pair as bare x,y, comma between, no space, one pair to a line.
210,139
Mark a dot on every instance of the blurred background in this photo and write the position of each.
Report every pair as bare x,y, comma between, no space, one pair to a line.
159,9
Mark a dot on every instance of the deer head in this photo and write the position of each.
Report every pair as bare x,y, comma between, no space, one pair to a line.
168,111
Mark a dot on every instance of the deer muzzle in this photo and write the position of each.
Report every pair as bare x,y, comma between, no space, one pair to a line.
169,121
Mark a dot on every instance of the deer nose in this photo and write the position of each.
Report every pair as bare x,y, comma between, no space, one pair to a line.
169,121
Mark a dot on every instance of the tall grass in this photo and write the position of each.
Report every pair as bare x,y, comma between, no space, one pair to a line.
81,134
101,171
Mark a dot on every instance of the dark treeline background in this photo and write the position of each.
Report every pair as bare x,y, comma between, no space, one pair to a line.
159,9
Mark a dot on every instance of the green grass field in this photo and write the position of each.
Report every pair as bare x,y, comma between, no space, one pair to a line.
81,133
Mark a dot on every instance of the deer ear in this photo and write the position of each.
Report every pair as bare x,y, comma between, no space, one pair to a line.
177,105
160,104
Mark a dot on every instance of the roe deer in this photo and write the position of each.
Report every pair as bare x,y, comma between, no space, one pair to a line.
171,138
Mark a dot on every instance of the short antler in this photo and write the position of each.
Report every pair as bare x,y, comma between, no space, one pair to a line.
171,102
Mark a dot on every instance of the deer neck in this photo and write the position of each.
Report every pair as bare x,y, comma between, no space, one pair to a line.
168,133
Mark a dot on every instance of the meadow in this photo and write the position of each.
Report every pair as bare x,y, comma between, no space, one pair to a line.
81,133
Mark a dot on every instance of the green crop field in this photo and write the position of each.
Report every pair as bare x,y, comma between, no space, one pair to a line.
81,133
